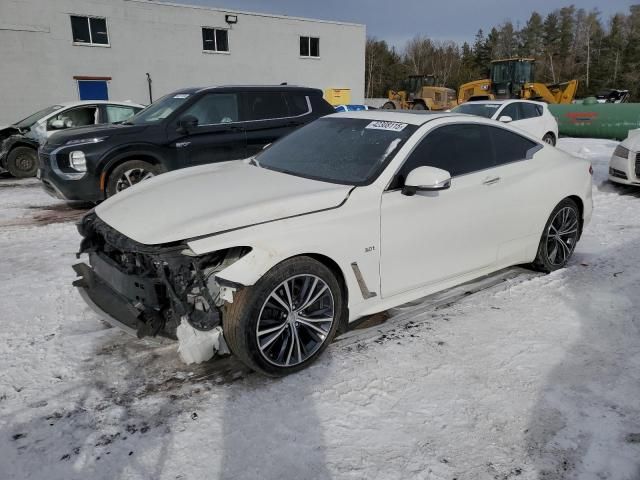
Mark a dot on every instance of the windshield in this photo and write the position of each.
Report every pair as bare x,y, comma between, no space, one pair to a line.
159,110
338,150
480,109
31,119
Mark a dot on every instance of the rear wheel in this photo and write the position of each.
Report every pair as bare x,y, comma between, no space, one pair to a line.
549,138
130,173
419,106
560,236
389,106
22,162
286,320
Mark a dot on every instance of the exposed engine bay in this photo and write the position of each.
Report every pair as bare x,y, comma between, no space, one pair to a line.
153,290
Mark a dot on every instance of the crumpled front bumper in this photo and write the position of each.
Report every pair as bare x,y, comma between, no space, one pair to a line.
112,306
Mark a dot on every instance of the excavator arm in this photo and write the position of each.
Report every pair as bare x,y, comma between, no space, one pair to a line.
556,93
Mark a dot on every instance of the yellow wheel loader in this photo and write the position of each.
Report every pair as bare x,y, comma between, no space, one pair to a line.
420,93
513,78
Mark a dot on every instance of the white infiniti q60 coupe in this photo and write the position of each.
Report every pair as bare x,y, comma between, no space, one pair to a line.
350,215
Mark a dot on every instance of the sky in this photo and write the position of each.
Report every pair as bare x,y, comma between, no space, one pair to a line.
399,20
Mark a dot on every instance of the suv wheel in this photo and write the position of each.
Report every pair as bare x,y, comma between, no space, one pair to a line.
128,174
285,321
22,162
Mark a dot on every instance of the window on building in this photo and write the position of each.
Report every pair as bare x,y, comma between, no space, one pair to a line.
89,30
215,39
309,47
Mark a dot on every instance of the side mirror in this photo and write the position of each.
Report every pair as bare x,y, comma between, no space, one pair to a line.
505,119
426,179
186,123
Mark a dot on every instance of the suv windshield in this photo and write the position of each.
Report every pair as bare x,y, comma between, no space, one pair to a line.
159,110
480,109
349,151
33,118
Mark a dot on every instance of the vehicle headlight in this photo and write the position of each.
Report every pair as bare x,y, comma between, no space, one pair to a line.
82,141
621,152
77,161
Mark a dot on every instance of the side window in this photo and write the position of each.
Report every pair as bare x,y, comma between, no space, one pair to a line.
531,110
459,149
298,103
215,108
266,105
509,146
75,117
512,111
118,113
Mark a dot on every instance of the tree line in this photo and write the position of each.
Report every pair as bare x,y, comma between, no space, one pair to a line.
567,43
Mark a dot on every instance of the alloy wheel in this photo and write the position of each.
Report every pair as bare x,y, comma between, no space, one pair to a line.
295,320
130,177
562,236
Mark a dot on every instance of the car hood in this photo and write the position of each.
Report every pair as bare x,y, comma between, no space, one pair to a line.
91,131
210,199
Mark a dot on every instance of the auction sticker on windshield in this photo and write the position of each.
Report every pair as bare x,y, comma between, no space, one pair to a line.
391,126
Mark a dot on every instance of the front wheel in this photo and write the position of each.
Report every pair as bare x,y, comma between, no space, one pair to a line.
560,236
285,321
128,174
419,106
549,138
22,162
389,106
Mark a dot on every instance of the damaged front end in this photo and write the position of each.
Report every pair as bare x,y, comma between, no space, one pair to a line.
157,290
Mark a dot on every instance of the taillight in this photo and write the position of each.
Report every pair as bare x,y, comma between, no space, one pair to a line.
590,169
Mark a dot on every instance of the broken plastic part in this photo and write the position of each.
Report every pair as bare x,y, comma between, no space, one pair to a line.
195,346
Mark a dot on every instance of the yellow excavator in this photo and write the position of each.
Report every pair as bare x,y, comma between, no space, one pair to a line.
420,93
513,78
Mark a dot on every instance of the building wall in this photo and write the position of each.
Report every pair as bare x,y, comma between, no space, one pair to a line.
39,60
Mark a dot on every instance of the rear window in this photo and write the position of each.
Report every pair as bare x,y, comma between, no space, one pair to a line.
266,105
298,103
511,147
479,109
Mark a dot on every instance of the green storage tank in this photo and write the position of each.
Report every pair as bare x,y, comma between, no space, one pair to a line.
596,120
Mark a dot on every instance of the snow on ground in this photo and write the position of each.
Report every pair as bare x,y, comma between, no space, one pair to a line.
534,377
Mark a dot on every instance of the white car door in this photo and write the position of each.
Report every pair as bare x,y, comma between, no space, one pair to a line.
515,194
432,236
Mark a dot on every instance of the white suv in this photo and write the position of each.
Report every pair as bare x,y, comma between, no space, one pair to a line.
532,117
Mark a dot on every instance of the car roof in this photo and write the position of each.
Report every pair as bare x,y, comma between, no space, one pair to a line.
412,117
503,102
79,103
289,88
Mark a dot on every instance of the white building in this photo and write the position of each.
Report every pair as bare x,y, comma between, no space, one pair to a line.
59,50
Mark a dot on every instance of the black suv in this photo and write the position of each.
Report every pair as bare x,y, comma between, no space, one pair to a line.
185,128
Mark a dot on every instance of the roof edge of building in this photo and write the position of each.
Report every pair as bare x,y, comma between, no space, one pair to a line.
242,12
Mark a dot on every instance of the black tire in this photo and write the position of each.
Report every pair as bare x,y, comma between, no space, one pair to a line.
22,162
549,138
136,170
551,254
389,106
240,318
419,106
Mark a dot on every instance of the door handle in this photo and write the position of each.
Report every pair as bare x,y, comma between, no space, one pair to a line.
491,180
